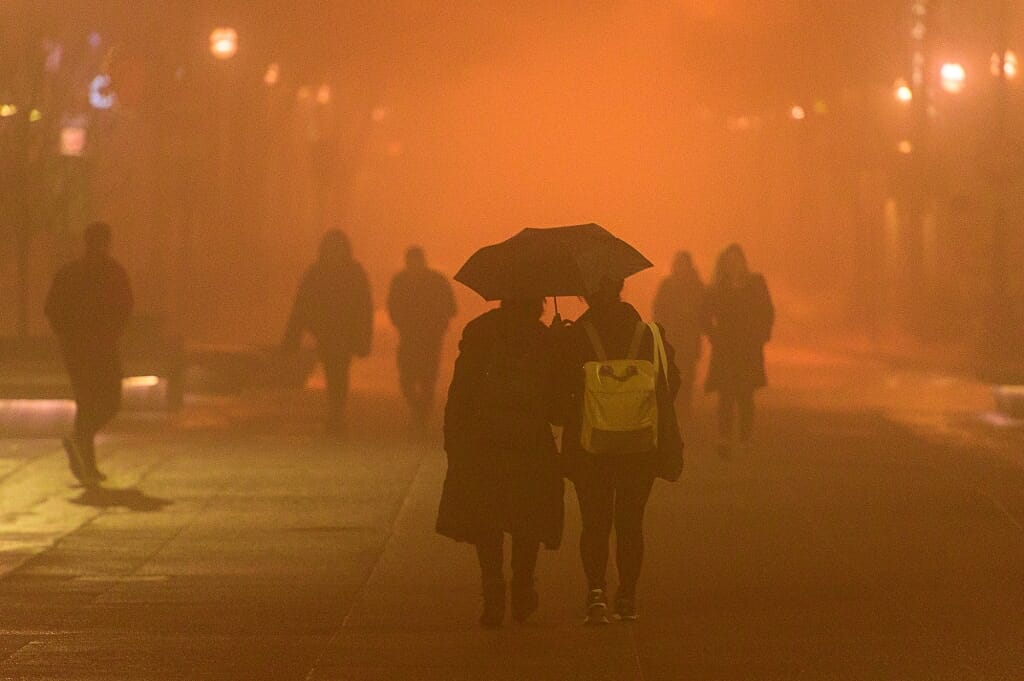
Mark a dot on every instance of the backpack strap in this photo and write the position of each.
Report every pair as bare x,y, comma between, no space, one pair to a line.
660,354
595,342
638,338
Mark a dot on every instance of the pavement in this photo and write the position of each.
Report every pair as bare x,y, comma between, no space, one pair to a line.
875,532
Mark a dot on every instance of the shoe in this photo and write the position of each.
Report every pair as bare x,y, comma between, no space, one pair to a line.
74,458
524,602
494,606
597,608
625,609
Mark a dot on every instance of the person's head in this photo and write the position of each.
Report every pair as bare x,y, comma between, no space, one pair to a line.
97,239
608,292
524,308
335,247
732,266
682,265
415,258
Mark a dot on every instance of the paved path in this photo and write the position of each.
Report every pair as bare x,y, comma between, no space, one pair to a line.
868,537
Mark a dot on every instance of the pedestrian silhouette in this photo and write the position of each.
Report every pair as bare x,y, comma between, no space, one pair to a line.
679,308
739,320
503,473
333,304
89,305
421,304
613,486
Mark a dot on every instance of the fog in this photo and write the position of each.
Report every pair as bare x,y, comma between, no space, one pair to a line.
676,125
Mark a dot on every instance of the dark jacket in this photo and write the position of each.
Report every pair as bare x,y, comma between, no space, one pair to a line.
420,303
739,323
615,325
503,471
333,304
679,308
89,305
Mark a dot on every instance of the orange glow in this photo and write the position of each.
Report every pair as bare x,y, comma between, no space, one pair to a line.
954,77
903,92
798,113
273,75
323,95
905,147
141,381
224,43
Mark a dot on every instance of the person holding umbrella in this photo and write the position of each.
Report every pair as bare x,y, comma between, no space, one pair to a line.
503,471
587,260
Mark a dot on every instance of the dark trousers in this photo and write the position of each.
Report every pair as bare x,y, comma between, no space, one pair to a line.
729,403
336,371
612,493
490,550
96,384
418,361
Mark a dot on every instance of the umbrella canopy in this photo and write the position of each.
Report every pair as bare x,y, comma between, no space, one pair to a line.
560,261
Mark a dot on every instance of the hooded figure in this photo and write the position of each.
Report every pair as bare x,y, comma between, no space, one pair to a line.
89,305
739,319
679,307
503,471
333,304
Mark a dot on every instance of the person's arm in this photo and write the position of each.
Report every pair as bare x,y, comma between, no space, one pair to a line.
767,308
125,303
394,302
461,412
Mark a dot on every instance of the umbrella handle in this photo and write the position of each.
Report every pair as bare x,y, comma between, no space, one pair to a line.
555,298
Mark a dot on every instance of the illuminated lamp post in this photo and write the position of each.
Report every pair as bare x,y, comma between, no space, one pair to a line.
224,43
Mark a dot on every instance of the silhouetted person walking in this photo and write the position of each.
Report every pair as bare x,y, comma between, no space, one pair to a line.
421,304
89,305
503,472
612,486
679,308
740,316
333,304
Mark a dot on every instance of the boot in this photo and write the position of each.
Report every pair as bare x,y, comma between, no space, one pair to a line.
494,605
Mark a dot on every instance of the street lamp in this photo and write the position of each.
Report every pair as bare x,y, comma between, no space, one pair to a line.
224,43
903,93
954,77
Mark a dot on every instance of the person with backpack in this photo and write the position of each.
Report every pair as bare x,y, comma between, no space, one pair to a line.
617,381
503,471
739,318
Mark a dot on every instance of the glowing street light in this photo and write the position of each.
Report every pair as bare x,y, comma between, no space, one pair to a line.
273,75
224,43
954,77
905,147
323,94
798,113
8,110
1006,65
903,92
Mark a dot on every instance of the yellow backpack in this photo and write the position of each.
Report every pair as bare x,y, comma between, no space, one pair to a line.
620,396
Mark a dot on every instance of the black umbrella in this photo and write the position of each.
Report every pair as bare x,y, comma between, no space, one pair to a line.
560,261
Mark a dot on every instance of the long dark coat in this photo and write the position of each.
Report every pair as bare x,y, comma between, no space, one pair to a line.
503,470
739,322
615,325
679,308
333,304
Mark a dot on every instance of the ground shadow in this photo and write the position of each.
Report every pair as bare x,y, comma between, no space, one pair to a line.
130,498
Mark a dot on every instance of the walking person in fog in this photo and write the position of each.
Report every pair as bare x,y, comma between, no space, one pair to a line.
333,304
679,307
613,486
89,305
739,318
503,473
421,304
